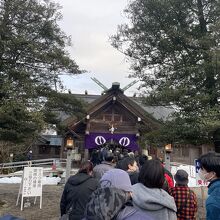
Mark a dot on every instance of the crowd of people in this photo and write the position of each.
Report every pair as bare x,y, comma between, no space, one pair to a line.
134,188
128,186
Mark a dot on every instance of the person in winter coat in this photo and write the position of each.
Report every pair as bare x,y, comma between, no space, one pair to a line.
185,198
96,157
77,192
29,155
105,165
142,159
168,183
129,164
113,199
210,172
148,194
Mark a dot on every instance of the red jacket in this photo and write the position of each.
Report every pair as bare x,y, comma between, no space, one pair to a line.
169,180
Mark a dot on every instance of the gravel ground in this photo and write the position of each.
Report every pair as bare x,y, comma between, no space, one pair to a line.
51,199
50,205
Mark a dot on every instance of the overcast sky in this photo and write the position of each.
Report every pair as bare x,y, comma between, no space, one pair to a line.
90,23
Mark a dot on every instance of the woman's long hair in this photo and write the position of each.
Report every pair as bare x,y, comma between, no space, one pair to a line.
86,167
152,174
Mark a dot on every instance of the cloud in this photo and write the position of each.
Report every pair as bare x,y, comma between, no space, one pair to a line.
90,23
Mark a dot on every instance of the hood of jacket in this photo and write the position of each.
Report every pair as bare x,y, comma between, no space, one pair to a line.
78,179
152,199
105,203
127,211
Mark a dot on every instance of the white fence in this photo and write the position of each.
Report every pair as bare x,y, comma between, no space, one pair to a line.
42,162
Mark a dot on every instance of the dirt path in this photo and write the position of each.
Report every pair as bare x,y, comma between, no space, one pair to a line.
50,206
51,200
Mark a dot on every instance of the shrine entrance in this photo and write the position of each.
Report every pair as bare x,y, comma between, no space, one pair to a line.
113,121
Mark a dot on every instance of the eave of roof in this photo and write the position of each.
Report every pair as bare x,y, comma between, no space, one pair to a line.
156,112
123,100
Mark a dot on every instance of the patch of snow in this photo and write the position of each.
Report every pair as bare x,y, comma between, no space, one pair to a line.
10,180
51,180
55,180
45,181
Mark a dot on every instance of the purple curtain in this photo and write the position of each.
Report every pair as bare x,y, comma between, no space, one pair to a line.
94,140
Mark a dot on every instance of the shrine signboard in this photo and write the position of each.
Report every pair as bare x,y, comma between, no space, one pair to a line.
31,185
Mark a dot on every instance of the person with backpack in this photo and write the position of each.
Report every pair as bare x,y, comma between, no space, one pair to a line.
112,201
77,191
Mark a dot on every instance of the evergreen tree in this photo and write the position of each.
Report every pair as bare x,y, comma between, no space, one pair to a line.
174,49
32,57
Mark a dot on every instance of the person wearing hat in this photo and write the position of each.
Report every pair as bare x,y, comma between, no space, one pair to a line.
185,199
113,199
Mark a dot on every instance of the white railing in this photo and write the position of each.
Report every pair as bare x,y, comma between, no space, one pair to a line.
42,162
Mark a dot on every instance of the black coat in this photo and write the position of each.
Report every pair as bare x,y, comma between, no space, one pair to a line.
76,194
133,177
